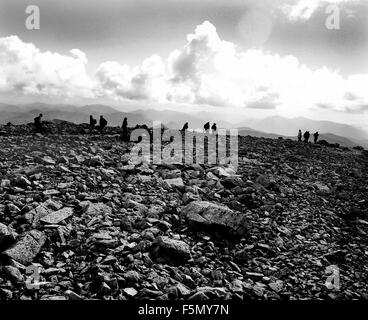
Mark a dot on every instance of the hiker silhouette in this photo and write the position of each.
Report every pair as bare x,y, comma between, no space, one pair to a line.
214,128
306,136
38,123
206,127
124,127
92,123
103,124
185,126
300,135
316,135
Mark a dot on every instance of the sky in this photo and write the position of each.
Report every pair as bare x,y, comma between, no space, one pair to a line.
239,58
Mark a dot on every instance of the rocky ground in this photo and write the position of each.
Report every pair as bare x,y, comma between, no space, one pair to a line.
96,227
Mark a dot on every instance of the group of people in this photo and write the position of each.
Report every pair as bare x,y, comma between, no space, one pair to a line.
92,125
93,122
125,134
103,124
306,136
206,127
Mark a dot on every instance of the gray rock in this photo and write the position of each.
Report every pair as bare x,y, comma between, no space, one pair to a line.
131,292
48,160
72,295
199,296
96,161
13,273
263,180
6,236
175,182
22,182
322,189
215,217
165,248
96,208
182,290
276,286
57,216
132,276
43,210
26,249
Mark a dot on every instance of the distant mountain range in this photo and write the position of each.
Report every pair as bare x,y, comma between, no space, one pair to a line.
331,138
270,127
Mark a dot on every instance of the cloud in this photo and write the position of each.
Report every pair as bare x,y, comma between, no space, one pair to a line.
144,82
270,101
324,106
24,69
206,71
357,110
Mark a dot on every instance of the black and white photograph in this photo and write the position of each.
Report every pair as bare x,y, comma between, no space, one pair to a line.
198,152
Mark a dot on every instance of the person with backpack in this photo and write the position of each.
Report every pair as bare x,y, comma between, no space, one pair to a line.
124,127
316,135
214,128
38,123
206,127
306,136
103,124
300,135
92,123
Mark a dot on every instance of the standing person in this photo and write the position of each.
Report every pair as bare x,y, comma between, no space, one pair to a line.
92,123
306,136
103,124
124,126
214,128
206,127
316,135
185,127
38,123
300,135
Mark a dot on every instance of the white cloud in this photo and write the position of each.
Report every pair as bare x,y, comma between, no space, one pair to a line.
206,71
144,82
24,69
211,71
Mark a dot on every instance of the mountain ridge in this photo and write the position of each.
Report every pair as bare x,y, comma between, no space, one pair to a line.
272,127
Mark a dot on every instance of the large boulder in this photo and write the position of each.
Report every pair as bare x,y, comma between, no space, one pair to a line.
170,250
215,218
27,248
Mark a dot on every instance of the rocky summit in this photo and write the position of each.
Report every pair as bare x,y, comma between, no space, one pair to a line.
79,221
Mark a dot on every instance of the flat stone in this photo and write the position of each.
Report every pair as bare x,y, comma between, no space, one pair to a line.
176,182
130,292
26,249
215,217
51,192
57,216
43,210
96,208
